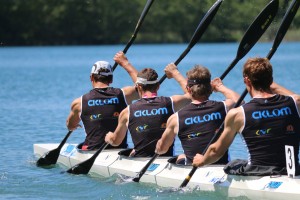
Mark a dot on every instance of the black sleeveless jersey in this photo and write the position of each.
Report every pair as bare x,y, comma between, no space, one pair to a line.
270,124
147,122
197,124
99,114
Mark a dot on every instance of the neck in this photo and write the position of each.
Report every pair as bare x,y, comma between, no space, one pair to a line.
100,85
199,100
149,94
261,94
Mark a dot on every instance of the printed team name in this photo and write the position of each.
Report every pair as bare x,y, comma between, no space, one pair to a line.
102,102
204,118
271,113
145,113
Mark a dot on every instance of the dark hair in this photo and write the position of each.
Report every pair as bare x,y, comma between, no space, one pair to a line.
260,73
202,77
103,79
150,75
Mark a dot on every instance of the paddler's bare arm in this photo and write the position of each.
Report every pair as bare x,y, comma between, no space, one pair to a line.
122,60
230,95
164,143
233,124
278,89
73,118
171,71
115,138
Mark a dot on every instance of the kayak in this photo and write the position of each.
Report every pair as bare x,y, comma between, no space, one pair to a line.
165,174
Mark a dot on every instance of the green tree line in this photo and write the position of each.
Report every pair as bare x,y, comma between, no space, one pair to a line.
95,22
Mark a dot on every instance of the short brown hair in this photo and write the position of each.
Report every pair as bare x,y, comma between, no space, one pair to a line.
202,86
260,73
103,79
150,75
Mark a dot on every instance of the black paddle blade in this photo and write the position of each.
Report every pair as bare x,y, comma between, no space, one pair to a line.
51,157
204,23
285,24
48,158
85,166
257,28
137,178
201,28
81,168
254,32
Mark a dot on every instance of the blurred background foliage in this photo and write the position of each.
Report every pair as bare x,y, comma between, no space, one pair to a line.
95,22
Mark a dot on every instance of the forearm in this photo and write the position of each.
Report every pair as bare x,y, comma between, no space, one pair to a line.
111,139
228,93
72,121
181,80
161,147
278,89
209,157
130,70
122,60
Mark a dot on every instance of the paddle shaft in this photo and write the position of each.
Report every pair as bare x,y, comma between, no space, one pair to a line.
198,33
142,172
137,28
252,35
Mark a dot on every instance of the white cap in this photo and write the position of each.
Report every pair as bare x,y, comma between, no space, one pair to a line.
102,68
145,81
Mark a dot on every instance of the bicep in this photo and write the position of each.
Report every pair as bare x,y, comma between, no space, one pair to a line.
122,123
232,124
130,94
74,118
171,129
180,101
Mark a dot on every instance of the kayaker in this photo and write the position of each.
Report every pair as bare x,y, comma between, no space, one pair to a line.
146,119
267,123
196,123
99,109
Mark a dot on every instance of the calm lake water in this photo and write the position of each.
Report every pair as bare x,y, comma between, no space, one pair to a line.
39,83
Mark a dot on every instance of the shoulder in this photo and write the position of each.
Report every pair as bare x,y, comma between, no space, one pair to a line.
181,98
172,121
128,90
173,118
124,114
296,98
235,119
235,114
76,104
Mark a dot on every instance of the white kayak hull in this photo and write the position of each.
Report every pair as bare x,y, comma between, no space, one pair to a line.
162,173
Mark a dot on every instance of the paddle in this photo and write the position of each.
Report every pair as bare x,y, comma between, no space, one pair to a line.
252,35
198,33
85,166
195,38
285,24
137,28
51,157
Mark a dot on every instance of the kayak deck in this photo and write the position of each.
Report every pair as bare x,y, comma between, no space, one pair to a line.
164,174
